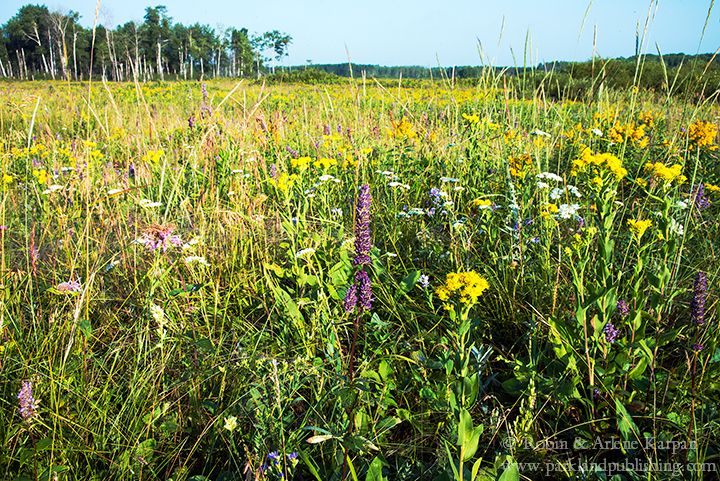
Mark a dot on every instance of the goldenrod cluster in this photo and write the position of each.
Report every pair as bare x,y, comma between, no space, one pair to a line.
646,118
403,130
665,173
619,133
702,134
597,165
638,227
520,165
153,156
284,182
472,118
468,285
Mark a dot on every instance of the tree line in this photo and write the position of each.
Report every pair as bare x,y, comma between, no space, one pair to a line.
40,44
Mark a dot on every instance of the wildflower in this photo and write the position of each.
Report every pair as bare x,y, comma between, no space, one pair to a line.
567,211
362,227
424,281
69,287
676,228
7,178
482,203
697,347
197,260
520,165
292,456
611,332
273,171
549,176
359,295
350,301
231,423
638,227
159,237
28,404
697,306
41,175
274,457
472,118
699,198
622,308
153,156
304,253
598,164
667,174
702,134
468,285
147,203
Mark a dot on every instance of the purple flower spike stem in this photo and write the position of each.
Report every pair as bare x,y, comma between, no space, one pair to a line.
358,298
362,227
697,306
26,401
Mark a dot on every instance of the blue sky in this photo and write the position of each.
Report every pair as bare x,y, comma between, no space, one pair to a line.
403,32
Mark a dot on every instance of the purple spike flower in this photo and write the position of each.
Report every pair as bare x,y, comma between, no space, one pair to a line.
273,171
365,298
699,198
622,308
611,332
28,404
351,299
697,306
362,227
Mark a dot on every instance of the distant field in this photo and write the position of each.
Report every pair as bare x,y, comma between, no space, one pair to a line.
185,277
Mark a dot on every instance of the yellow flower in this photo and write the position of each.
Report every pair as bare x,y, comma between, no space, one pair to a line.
402,130
284,182
231,423
665,173
6,178
702,134
712,188
482,203
638,227
468,286
153,156
520,165
41,175
641,182
325,162
598,164
473,118
301,163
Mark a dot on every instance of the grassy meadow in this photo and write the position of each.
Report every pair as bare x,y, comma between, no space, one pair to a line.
196,286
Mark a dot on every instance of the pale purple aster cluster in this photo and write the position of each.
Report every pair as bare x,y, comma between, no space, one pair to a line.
293,153
359,295
69,286
697,306
424,281
26,401
273,171
611,332
160,238
622,308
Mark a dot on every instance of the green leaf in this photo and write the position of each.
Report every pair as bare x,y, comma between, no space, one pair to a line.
511,471
374,472
625,423
408,283
85,328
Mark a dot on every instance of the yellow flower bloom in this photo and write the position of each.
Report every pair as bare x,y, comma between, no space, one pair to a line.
7,178
520,165
153,156
325,162
638,227
597,164
712,188
41,175
473,118
301,163
468,286
665,173
481,203
702,134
